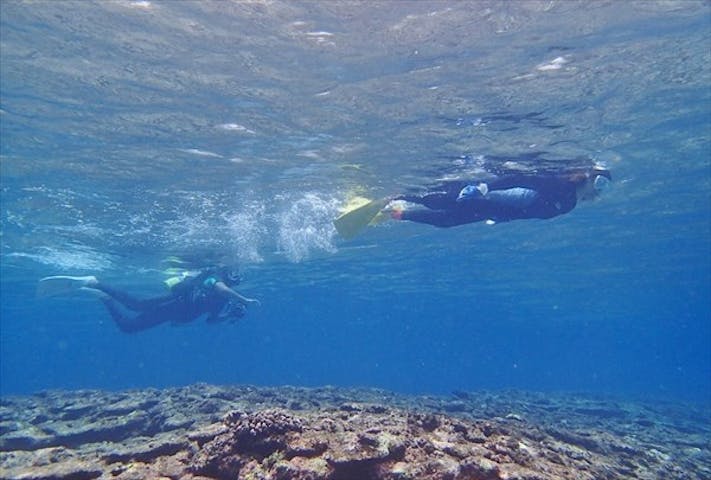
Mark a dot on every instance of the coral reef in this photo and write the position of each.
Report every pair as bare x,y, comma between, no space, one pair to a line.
208,432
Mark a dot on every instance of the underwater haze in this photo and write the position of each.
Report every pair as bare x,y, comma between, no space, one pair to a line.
133,131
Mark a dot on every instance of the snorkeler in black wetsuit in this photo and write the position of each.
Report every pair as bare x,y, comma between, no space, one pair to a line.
210,292
510,197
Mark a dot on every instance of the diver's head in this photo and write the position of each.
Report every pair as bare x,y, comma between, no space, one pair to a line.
593,183
230,275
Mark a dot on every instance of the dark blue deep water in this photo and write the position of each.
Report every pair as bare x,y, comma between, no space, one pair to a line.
135,130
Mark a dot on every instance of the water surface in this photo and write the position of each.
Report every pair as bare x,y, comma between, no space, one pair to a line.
135,130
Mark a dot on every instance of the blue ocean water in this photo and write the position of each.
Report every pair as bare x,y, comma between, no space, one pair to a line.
135,130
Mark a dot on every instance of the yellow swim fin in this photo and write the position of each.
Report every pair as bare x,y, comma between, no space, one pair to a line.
358,214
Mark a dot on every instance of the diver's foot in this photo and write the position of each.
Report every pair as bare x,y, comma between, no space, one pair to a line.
395,208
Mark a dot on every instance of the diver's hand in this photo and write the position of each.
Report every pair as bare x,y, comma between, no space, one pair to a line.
473,191
228,293
253,301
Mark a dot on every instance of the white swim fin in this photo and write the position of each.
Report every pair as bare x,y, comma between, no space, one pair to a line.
59,284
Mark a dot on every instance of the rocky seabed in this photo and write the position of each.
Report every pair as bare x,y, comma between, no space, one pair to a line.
206,432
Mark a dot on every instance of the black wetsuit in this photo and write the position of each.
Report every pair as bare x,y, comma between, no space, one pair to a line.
508,198
188,300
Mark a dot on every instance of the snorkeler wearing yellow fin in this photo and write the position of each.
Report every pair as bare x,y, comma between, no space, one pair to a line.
358,214
504,198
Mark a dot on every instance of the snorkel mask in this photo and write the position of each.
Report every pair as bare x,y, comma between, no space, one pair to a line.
602,179
600,184
591,183
231,275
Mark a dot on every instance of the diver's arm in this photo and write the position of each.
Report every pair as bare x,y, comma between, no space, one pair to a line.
226,292
543,184
516,197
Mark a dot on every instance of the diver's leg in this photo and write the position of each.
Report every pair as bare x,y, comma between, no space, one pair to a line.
129,301
441,218
140,322
435,200
438,218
